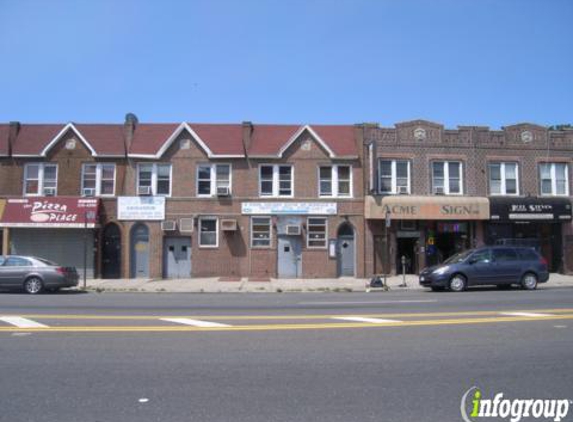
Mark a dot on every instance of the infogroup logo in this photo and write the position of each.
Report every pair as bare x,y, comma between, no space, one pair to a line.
513,409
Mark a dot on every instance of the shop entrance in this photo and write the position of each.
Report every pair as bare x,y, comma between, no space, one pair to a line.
111,252
407,249
445,239
289,256
139,251
177,257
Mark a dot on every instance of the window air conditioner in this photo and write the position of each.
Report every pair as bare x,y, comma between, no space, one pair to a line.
229,225
223,191
439,190
89,192
144,190
168,225
186,224
49,191
293,229
403,190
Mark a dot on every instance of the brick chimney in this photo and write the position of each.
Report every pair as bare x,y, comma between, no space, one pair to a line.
129,127
12,135
247,136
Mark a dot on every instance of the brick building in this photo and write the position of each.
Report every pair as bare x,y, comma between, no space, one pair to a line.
443,191
184,200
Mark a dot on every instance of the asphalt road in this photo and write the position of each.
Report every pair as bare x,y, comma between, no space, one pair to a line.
280,357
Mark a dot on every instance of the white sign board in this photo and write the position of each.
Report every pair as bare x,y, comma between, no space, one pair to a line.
297,208
141,208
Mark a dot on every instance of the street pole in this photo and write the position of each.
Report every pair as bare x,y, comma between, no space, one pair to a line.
388,223
85,249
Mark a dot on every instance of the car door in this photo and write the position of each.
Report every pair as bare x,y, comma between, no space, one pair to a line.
15,270
507,266
480,267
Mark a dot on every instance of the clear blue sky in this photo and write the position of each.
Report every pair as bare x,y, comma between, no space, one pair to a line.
485,62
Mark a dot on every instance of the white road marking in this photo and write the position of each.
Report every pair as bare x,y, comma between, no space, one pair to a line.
22,322
560,326
143,400
194,322
363,319
21,334
524,314
383,302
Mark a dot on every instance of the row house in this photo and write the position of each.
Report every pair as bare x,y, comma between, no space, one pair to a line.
432,192
185,200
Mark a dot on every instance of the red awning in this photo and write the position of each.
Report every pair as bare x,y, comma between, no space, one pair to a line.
55,212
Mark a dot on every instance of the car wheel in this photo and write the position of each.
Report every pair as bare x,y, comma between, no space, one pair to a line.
33,285
458,283
529,281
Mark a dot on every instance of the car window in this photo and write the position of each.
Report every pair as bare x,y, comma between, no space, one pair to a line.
14,261
2,259
481,256
503,255
528,255
46,262
457,257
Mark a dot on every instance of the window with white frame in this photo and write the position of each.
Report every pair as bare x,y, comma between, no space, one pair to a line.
210,177
316,232
335,181
41,179
394,176
554,179
503,179
154,179
447,177
208,232
260,232
276,180
98,179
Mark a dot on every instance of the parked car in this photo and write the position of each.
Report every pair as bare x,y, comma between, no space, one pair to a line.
35,274
501,266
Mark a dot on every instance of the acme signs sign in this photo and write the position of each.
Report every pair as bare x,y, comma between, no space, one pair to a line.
427,208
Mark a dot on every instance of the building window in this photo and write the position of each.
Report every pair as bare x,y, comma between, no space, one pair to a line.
41,179
98,179
335,181
554,179
260,232
211,177
276,180
503,179
316,233
394,176
208,232
154,179
447,178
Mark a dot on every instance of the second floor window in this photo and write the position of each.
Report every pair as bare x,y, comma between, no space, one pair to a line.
41,179
553,179
335,180
276,180
213,179
98,179
394,176
503,179
447,178
154,179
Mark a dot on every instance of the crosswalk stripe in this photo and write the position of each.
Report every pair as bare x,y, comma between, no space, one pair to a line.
525,314
22,322
364,319
194,322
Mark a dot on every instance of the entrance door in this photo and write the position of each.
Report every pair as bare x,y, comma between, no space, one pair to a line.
406,249
111,252
177,257
140,251
289,256
345,251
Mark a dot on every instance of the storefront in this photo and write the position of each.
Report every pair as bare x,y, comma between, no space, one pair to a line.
411,232
303,239
54,228
535,222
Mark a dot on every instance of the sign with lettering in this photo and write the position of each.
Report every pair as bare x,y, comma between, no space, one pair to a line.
141,208
530,209
295,208
427,208
51,212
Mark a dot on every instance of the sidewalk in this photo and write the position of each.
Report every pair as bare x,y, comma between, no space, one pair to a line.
244,285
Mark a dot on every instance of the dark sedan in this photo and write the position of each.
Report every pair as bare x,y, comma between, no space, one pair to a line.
501,266
35,274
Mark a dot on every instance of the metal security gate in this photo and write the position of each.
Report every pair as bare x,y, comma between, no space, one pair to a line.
289,256
63,246
345,251
177,257
139,251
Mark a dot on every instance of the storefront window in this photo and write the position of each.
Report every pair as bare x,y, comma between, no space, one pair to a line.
447,178
260,232
503,179
553,179
394,176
